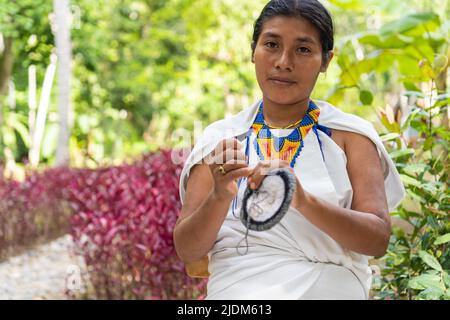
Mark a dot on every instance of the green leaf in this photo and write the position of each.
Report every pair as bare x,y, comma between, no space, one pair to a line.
442,239
410,181
392,42
432,293
348,4
429,143
401,153
9,137
378,61
440,63
15,123
430,260
410,22
446,277
425,281
430,187
409,119
415,196
427,70
390,136
416,94
415,168
393,127
366,97
411,87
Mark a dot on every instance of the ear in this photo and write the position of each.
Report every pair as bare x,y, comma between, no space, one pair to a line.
329,56
253,46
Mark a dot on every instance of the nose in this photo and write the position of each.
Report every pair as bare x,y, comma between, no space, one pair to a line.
284,61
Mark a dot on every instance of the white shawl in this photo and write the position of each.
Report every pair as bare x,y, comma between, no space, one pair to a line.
293,259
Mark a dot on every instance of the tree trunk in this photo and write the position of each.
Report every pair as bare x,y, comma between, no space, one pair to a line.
6,66
64,52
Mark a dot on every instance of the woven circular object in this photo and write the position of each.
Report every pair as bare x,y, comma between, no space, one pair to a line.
265,207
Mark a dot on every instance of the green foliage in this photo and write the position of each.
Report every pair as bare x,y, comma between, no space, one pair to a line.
26,25
19,18
166,64
408,56
417,263
162,64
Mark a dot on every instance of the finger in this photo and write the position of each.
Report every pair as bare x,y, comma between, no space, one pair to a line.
238,173
227,167
237,156
259,173
234,156
235,144
231,143
232,165
278,163
254,176
221,147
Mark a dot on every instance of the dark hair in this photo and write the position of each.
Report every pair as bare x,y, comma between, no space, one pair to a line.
311,10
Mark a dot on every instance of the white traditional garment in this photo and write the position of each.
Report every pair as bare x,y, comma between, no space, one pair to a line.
294,259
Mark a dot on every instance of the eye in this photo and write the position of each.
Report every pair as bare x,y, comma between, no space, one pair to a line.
271,45
304,50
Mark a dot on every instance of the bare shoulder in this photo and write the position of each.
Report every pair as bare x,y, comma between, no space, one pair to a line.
199,185
365,172
351,142
338,137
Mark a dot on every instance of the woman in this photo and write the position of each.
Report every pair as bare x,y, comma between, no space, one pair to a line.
346,184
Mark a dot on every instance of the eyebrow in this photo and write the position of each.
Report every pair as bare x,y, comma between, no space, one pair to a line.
301,39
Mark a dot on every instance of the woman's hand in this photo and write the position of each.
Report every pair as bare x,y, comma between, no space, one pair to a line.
262,169
229,155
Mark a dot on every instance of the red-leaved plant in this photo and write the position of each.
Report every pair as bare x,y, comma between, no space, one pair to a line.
123,224
33,211
121,219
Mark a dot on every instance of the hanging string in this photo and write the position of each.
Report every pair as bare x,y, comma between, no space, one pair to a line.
327,131
247,156
245,238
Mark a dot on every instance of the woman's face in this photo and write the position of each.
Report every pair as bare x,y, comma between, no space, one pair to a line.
288,59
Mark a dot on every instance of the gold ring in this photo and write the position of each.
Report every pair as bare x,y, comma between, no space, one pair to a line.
222,170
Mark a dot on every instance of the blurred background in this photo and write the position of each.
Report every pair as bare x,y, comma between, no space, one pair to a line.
92,92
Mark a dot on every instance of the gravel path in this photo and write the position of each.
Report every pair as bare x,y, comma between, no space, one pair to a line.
42,273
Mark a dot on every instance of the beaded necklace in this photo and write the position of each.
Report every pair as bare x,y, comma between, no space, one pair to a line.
269,146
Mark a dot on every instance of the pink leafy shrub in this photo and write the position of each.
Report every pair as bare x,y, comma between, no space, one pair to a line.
121,219
123,224
32,211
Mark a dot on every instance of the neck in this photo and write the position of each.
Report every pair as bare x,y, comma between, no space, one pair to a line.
283,115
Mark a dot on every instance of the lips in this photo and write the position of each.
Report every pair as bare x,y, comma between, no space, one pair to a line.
281,81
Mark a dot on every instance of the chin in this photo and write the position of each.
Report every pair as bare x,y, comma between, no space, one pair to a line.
283,99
